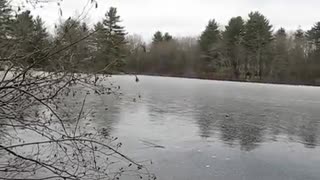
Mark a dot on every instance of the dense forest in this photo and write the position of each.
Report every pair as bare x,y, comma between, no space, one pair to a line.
245,49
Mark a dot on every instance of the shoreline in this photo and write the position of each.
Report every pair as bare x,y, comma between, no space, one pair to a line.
226,79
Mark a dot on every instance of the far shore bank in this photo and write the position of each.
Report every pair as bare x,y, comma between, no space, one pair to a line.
294,83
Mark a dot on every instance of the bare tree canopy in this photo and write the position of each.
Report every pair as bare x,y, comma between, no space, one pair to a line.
40,139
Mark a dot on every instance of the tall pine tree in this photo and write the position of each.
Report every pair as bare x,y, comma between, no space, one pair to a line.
209,45
167,37
280,62
209,36
233,39
5,28
77,57
258,35
157,37
313,36
110,41
5,18
297,56
23,35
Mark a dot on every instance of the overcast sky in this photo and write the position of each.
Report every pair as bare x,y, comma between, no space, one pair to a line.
189,17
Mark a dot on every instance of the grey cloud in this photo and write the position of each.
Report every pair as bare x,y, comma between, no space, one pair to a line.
189,17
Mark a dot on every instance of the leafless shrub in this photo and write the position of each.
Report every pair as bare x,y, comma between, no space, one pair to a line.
38,141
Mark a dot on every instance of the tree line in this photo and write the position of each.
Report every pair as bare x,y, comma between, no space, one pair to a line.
242,50
93,49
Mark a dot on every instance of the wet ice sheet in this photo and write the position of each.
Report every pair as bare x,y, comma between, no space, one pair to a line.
215,129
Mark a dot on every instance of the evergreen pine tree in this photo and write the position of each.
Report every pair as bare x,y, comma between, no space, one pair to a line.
297,56
233,39
209,36
23,35
313,36
5,28
114,33
157,37
40,35
167,37
210,47
110,40
5,19
76,57
258,35
280,62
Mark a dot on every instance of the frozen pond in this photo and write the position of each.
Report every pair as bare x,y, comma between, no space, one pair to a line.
197,129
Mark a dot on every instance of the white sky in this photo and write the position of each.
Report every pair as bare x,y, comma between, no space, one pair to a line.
188,17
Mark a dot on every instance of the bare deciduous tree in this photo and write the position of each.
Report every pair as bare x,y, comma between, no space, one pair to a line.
38,140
